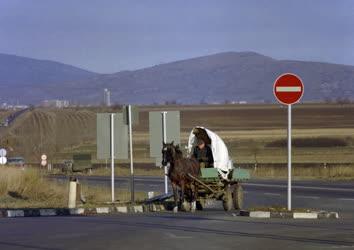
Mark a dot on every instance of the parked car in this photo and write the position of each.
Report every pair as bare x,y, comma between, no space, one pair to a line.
67,166
16,161
4,123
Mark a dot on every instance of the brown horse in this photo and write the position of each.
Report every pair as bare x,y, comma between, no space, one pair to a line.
178,172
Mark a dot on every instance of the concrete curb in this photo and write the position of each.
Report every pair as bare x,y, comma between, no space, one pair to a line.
45,212
290,215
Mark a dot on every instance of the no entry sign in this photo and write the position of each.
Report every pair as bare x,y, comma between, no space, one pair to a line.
288,88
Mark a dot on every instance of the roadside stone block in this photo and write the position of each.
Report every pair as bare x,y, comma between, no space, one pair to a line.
15,213
31,213
138,209
90,211
62,211
122,209
260,214
333,215
288,215
47,212
102,210
305,215
76,211
328,215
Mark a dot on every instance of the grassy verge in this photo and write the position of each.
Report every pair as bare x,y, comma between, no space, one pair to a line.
300,171
126,172
326,172
30,189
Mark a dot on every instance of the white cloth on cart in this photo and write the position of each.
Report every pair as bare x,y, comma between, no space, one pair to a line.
222,161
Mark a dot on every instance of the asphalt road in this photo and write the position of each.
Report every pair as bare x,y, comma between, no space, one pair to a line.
12,117
203,230
320,195
207,229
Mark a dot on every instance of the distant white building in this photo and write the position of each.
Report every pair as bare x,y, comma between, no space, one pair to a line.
106,97
55,103
238,102
17,106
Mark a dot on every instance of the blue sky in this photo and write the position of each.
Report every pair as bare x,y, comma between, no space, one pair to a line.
110,35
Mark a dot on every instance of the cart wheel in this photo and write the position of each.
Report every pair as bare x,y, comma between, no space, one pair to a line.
227,199
237,196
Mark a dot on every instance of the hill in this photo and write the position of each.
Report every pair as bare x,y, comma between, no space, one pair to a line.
22,75
229,76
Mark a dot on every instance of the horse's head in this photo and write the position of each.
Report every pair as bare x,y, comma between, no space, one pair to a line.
169,153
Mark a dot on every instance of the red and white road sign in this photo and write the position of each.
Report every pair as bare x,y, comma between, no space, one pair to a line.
3,160
288,88
43,157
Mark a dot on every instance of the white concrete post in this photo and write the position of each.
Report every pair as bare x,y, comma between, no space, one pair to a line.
72,193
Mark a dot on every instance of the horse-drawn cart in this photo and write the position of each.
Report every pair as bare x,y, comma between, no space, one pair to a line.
223,181
211,186
194,183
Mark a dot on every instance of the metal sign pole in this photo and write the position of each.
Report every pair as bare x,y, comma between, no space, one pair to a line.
289,157
112,157
131,153
164,138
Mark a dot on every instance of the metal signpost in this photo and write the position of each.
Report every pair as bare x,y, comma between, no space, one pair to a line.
164,127
164,139
112,140
131,153
131,117
111,116
288,89
3,152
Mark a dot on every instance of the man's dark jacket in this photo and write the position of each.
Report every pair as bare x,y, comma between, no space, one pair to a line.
204,155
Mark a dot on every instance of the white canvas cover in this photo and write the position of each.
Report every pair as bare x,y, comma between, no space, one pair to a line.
222,161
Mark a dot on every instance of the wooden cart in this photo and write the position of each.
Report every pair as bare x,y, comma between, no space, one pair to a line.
212,186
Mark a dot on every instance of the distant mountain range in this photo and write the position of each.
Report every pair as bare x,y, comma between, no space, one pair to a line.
229,76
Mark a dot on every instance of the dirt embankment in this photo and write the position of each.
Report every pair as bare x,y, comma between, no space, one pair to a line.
48,131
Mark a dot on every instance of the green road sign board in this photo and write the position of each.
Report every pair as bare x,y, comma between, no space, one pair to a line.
173,133
104,135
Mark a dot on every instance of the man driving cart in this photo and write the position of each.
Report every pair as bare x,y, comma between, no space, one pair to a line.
203,154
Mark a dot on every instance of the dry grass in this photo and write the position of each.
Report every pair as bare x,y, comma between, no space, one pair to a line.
98,195
30,189
337,172
126,172
312,142
119,170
